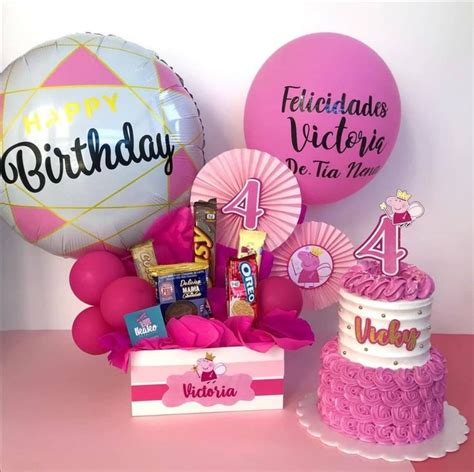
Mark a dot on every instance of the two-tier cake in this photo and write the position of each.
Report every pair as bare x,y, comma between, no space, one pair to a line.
380,379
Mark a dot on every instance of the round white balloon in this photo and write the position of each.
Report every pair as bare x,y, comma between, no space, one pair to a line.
99,138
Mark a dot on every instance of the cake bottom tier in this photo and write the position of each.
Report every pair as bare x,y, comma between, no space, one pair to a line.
380,405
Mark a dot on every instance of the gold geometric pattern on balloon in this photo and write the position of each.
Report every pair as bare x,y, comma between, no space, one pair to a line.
100,205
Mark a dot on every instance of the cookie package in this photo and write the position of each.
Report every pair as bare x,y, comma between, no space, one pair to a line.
242,286
181,289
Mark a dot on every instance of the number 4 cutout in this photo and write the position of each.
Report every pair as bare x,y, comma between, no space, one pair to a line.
246,204
383,244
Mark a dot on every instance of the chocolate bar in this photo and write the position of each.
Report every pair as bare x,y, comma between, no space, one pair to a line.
251,242
205,215
144,257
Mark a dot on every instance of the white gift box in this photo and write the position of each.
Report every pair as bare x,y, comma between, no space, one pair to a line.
177,381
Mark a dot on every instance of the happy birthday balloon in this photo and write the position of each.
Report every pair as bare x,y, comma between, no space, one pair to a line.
328,106
99,138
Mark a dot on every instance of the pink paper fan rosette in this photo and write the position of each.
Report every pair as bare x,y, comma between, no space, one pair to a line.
315,257
280,197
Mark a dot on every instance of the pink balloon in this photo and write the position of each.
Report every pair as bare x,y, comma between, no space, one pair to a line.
124,296
328,106
92,272
87,329
279,293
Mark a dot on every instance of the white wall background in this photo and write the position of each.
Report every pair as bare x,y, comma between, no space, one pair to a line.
218,47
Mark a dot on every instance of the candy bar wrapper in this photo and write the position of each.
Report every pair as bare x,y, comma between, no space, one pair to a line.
205,215
251,242
181,289
242,286
144,257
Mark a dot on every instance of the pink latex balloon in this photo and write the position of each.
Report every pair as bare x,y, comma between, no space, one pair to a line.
87,329
328,106
92,272
278,293
124,296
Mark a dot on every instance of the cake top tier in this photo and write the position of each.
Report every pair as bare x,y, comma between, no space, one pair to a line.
367,280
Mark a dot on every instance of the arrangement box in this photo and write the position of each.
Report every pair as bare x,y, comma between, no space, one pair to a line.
167,382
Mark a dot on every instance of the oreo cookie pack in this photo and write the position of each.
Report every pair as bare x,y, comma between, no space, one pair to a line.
241,282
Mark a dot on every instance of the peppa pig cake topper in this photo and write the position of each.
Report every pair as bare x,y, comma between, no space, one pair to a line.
384,242
401,210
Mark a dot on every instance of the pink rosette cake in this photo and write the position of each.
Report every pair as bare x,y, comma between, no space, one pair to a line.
380,380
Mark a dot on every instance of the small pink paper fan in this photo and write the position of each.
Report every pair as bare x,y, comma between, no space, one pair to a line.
265,193
315,257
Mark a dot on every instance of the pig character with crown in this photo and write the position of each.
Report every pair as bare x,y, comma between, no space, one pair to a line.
207,369
400,210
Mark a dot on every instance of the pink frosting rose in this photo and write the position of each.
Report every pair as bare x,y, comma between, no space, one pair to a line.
400,434
349,426
434,425
425,393
337,387
324,411
334,420
371,396
365,378
352,392
383,434
439,389
418,414
383,379
382,415
423,376
392,398
416,433
337,366
411,398
405,379
329,401
437,370
366,279
328,348
328,359
366,431
325,379
401,415
433,407
343,406
349,372
360,411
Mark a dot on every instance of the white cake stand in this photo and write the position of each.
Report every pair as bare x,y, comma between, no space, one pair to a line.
453,434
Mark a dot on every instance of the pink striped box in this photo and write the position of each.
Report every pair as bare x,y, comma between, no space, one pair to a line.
168,382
